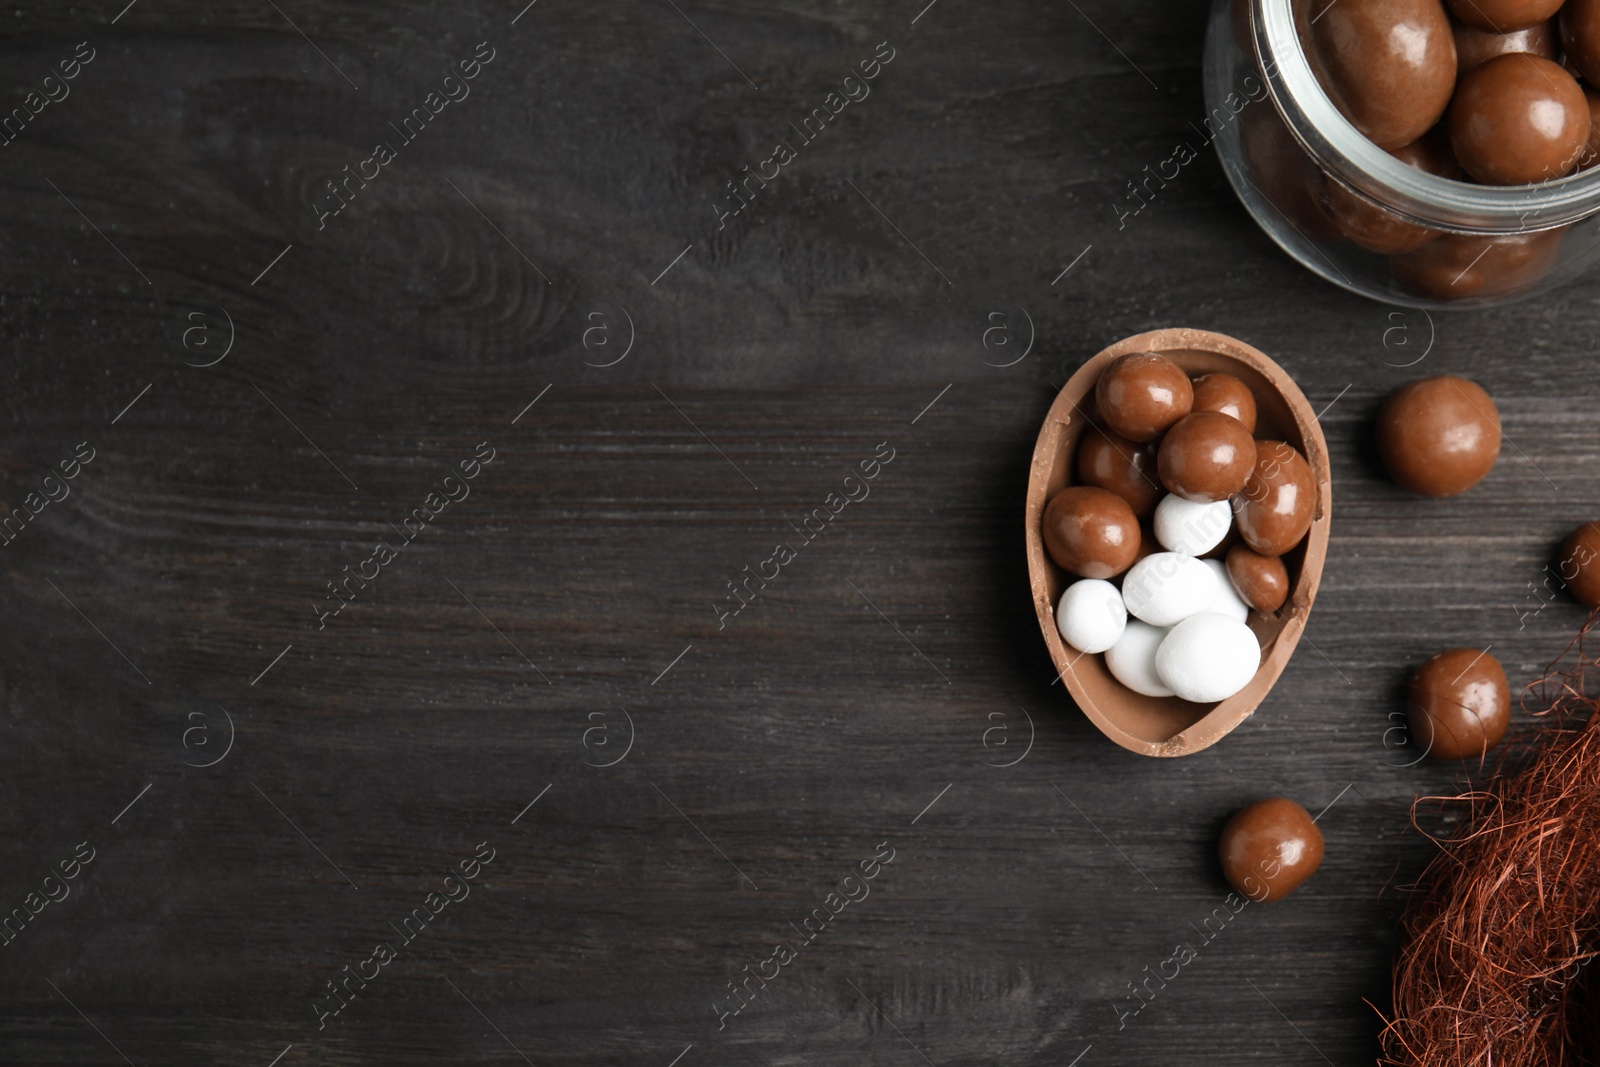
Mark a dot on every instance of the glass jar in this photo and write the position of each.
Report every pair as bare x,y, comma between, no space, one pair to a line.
1358,216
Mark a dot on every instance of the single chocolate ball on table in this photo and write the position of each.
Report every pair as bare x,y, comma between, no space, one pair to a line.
1269,849
1090,532
1518,120
1579,565
1111,462
1439,436
1142,394
1458,704
1389,65
1206,456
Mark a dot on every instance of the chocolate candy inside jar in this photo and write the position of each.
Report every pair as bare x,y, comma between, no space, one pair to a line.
1409,152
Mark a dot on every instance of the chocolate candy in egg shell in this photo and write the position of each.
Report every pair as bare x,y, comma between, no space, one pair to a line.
1275,509
1458,266
1458,704
1475,47
1226,394
1108,461
1262,581
1439,436
1206,456
1580,37
1269,849
1090,532
1517,120
1579,565
1389,65
1503,16
1142,394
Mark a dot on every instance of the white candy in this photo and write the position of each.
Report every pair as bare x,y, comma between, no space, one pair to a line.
1228,601
1091,615
1191,528
1208,657
1167,587
1132,660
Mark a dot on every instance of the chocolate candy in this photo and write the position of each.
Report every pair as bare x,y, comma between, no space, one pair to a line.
1284,175
1389,65
1227,394
1475,47
1458,266
1439,436
1432,154
1591,152
1579,565
1262,581
1269,848
1458,704
1518,119
1503,16
1142,394
1277,504
1580,36
1090,532
1126,469
1206,456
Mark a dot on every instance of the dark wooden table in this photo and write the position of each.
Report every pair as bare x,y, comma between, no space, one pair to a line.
547,671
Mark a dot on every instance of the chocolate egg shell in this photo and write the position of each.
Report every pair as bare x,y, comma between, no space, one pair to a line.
1142,394
1458,266
1579,564
1389,65
1458,704
1269,849
1503,16
1206,456
1108,461
1227,394
1580,36
1090,532
1277,504
1439,436
1518,119
1475,47
1262,581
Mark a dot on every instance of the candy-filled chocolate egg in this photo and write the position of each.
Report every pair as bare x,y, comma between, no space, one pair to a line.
1269,849
1439,436
1579,564
1475,47
1263,581
1278,502
1389,65
1090,532
1518,119
1503,16
1142,394
1206,456
1227,394
1115,463
1458,704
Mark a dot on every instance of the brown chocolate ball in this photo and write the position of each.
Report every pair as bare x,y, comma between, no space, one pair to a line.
1580,37
1375,228
1206,456
1431,152
1439,436
1389,65
1227,394
1518,119
1503,16
1460,267
1579,565
1278,502
1141,394
1090,532
1591,151
1269,849
1283,174
1261,581
1458,704
1475,47
1111,462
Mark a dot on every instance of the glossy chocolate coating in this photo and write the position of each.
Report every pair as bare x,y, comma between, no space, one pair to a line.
1458,705
1389,65
1261,581
1503,16
1269,848
1206,456
1439,436
1090,532
1227,394
1142,394
1579,564
1580,37
1431,152
1518,119
1475,47
1115,463
1458,266
1278,502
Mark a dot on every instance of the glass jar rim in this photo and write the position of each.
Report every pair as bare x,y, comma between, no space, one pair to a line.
1346,154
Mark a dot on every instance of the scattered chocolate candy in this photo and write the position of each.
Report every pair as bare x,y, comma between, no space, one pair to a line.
1090,532
1475,47
1579,565
1503,16
1389,65
1439,436
1458,704
1227,394
1142,394
1580,37
1269,849
1206,456
1518,119
1458,266
1263,581
1279,499
1126,469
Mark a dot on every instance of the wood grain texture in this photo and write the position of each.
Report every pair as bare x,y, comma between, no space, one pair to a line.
778,751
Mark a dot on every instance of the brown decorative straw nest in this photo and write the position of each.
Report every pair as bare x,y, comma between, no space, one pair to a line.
1493,969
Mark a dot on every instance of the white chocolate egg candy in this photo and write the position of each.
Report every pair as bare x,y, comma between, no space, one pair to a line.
1165,588
1190,527
1208,657
1228,601
1091,615
1132,660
